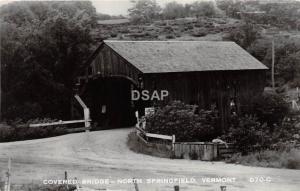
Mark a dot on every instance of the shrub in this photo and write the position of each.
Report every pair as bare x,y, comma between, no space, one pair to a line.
170,36
21,131
270,108
181,120
248,134
113,35
199,32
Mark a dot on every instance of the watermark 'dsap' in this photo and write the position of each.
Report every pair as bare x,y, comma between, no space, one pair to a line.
146,95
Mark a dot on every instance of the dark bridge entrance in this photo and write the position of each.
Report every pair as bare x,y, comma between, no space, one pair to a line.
110,102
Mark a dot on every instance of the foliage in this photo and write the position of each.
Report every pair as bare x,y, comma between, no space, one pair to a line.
270,158
43,187
102,16
287,55
247,133
254,133
284,15
42,45
144,11
174,10
18,131
231,7
244,35
203,8
288,66
270,108
180,120
200,32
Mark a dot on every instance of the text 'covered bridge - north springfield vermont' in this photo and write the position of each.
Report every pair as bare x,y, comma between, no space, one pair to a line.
205,73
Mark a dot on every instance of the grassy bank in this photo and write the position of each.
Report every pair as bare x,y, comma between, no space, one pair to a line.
268,158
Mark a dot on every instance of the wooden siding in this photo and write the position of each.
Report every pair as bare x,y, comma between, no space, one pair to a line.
107,63
206,89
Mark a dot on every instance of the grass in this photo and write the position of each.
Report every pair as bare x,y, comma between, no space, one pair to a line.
135,144
39,187
269,158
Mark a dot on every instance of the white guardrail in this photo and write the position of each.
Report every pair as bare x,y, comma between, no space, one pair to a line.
87,120
157,136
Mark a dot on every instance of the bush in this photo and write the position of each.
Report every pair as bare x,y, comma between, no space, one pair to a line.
248,134
21,131
199,32
170,36
278,159
181,120
270,108
113,35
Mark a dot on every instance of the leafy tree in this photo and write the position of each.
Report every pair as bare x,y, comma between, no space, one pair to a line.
144,10
270,108
244,35
42,45
288,66
203,8
174,10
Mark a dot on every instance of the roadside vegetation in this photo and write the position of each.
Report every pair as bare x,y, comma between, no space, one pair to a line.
267,135
19,131
37,187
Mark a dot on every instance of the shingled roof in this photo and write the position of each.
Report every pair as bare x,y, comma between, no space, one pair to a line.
185,56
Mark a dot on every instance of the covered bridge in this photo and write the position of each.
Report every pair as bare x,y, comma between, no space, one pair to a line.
208,74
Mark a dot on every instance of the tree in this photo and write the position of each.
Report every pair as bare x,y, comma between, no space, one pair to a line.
244,35
144,11
174,10
203,8
42,45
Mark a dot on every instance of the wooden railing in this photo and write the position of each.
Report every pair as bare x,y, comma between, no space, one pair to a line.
140,131
86,120
197,150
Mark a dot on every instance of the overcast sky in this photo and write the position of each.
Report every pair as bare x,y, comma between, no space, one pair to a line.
114,7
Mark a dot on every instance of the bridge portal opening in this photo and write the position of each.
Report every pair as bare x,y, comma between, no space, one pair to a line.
110,102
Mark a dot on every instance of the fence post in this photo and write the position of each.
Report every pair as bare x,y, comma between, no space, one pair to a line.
87,123
135,185
173,142
7,186
86,113
66,178
77,185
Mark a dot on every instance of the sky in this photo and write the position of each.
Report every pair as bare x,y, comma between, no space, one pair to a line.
115,7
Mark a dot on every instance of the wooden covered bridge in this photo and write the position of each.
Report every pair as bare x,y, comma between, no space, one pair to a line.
208,74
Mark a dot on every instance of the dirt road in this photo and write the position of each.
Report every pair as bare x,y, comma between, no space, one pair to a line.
103,154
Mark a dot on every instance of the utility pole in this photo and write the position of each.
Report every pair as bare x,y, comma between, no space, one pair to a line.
273,63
